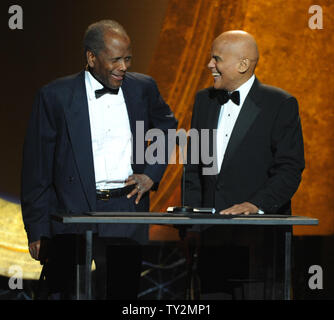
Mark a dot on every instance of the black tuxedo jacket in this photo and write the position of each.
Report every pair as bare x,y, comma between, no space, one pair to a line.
58,170
264,158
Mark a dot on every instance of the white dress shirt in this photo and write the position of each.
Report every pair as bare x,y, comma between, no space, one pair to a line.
228,116
111,136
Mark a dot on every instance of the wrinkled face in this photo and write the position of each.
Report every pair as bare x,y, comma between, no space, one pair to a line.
224,65
111,63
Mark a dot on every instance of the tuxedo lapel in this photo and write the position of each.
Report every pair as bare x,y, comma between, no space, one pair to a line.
77,117
213,111
247,116
131,98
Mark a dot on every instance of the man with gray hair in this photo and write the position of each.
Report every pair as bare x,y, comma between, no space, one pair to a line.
79,156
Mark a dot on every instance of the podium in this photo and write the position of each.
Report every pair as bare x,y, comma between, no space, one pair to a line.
283,223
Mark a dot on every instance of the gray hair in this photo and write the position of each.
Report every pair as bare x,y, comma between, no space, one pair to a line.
94,35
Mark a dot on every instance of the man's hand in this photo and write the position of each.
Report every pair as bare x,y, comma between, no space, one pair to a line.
245,208
34,248
143,183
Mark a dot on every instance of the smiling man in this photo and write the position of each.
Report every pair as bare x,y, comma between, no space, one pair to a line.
110,63
233,59
259,144
257,136
79,156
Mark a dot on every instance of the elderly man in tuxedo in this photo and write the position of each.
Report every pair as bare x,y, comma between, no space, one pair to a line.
80,156
257,144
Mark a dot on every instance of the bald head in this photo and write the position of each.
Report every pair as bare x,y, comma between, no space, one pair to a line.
234,56
240,43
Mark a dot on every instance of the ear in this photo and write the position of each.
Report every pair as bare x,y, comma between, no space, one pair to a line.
244,64
90,56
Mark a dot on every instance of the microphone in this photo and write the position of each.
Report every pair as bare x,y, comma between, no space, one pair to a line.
183,208
187,209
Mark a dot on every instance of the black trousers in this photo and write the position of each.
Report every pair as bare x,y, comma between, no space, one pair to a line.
118,267
243,253
118,261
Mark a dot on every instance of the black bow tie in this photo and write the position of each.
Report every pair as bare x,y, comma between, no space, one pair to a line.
224,96
100,92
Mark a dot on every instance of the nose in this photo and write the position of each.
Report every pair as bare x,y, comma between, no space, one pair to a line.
211,64
123,65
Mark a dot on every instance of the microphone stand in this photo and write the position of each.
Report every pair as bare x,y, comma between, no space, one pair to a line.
183,208
189,245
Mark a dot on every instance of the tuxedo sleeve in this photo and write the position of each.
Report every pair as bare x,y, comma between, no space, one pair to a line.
161,118
288,159
37,167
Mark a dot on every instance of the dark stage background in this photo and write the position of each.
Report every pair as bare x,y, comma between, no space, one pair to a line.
50,46
171,41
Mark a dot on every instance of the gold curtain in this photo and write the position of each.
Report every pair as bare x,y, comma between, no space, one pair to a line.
13,243
292,56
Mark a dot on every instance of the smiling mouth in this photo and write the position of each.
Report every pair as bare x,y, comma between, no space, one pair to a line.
216,75
117,77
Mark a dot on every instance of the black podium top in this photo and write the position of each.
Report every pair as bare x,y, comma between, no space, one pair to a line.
184,218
